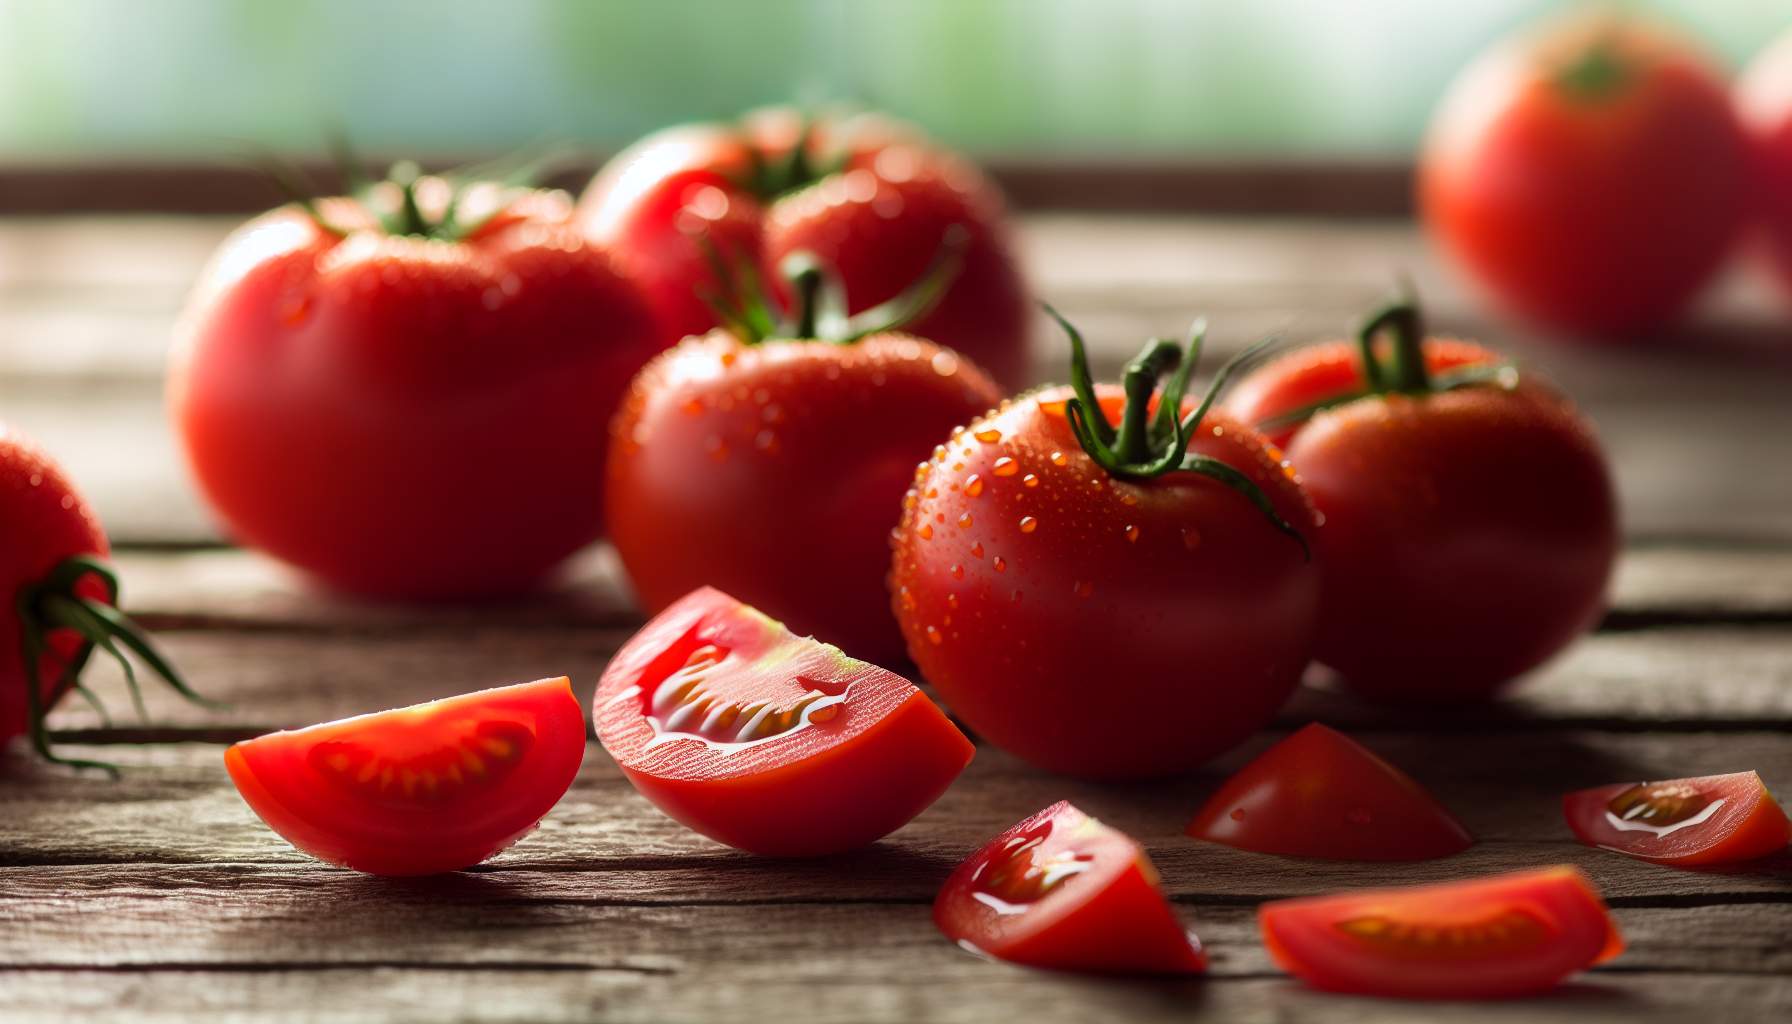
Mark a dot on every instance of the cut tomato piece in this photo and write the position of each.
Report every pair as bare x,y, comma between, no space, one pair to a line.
418,790
1062,890
769,742
1507,935
1320,793
1712,819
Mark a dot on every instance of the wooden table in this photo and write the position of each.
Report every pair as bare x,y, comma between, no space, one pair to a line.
161,897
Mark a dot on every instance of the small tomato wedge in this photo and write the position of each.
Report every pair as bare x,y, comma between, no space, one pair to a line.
1505,935
1320,793
418,790
769,742
1712,819
1064,891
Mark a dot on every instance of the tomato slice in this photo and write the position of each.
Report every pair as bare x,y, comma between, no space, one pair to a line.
1712,819
418,790
769,742
1320,793
1062,890
1506,935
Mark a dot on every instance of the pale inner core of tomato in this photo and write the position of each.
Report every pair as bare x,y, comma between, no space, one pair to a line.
1018,875
1661,809
733,708
1507,930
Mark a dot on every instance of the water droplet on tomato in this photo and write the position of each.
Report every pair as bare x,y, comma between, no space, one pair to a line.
944,363
1191,538
924,531
1132,534
977,550
964,521
957,571
1005,466
1030,480
1060,459
37,480
989,436
1028,524
907,598
999,563
933,636
974,485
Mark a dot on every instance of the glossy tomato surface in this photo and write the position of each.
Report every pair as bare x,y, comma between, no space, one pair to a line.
774,471
769,742
1764,99
872,198
1590,175
408,416
419,790
1099,626
1320,793
1062,890
1501,936
1712,819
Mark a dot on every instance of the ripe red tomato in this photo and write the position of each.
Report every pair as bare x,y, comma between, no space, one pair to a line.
1590,175
1764,99
1062,890
1468,522
867,195
413,406
1712,819
1506,935
418,790
773,468
58,597
768,742
1100,612
1320,793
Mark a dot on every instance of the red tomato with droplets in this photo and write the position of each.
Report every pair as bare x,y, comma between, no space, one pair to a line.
867,195
418,790
1712,819
409,410
1063,891
1506,935
1764,99
769,742
1590,175
1320,793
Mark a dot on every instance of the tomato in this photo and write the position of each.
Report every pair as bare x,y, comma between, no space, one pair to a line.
867,195
407,404
1505,935
1125,605
1591,176
1319,793
1062,890
1712,819
768,742
1764,99
1469,525
58,597
419,790
772,468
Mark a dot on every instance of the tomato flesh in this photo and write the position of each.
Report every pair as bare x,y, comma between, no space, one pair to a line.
1319,793
1711,819
769,742
1062,890
418,790
1506,935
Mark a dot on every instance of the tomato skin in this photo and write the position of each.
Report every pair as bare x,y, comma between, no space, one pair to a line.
1111,916
1554,924
1099,627
283,780
1764,99
883,758
407,417
1601,209
1747,825
1319,793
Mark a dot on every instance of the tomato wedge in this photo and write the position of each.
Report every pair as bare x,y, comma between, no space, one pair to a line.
1062,890
769,742
418,790
1505,935
1320,793
1712,819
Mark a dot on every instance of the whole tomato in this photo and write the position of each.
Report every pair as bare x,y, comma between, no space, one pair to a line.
406,394
1108,602
769,460
1765,100
1468,527
1591,176
864,194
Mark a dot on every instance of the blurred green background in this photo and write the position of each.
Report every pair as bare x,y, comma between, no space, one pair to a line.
1279,78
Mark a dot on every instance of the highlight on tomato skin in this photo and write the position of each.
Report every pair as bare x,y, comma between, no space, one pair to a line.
1321,794
418,790
768,742
1061,890
1487,938
1693,822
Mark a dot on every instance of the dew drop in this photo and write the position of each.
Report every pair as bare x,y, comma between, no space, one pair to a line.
1191,538
907,598
1028,524
933,636
1000,564
924,531
939,453
1005,466
691,407
952,601
944,363
37,480
957,571
1060,459
1132,534
68,501
964,521
728,358
990,436
1030,480
974,485
977,550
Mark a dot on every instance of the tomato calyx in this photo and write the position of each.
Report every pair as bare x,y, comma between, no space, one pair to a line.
54,603
771,174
